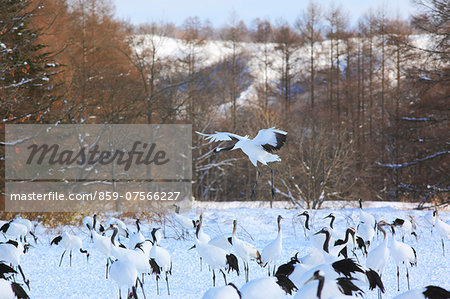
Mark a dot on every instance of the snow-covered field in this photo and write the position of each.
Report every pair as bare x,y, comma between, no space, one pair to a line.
257,225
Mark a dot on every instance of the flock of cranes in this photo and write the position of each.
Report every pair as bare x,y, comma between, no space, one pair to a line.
343,262
336,265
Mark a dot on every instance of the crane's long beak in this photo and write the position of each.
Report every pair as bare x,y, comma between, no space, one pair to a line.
309,280
320,232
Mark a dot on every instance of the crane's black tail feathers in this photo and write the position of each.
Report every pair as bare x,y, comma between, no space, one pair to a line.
361,245
56,240
286,284
19,291
232,263
347,287
347,267
5,269
434,292
155,268
374,280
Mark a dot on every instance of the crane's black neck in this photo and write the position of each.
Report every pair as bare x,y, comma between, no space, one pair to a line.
113,236
347,234
94,222
332,221
327,241
138,225
360,203
198,229
279,224
306,221
321,280
154,236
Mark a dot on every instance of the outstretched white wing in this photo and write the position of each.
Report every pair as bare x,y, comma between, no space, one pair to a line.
270,139
222,136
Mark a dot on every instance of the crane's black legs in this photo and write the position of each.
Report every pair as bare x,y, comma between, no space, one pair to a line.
379,290
62,255
224,276
107,267
142,286
407,275
214,278
272,186
134,292
246,269
157,286
443,247
27,282
70,258
256,182
167,283
398,279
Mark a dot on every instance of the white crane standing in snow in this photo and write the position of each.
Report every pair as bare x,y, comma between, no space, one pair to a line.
15,230
185,222
244,250
366,232
402,254
29,225
69,242
124,274
215,257
160,261
131,260
259,149
404,226
442,228
378,257
272,252
103,244
202,236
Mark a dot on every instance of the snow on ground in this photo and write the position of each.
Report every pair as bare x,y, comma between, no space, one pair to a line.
257,225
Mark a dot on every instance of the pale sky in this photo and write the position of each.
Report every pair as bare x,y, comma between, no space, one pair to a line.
219,12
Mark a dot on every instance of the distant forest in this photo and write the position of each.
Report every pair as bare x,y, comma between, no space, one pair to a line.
366,106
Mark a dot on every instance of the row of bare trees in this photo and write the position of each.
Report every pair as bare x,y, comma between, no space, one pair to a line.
365,106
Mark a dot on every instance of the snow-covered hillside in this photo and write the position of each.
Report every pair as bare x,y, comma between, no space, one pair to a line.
256,225
210,52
